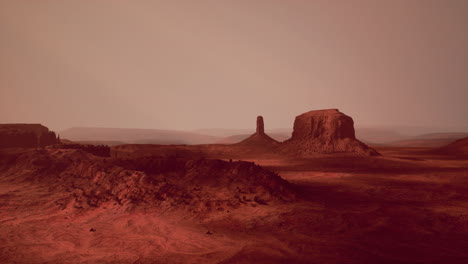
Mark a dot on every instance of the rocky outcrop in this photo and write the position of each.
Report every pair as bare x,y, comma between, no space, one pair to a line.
164,183
259,138
26,136
325,131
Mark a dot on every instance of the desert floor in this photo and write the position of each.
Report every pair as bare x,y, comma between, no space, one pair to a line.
404,207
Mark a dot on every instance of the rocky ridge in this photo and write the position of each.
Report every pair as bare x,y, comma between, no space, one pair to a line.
197,185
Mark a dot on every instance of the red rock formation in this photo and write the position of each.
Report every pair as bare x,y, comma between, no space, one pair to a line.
259,138
325,131
327,125
26,136
260,126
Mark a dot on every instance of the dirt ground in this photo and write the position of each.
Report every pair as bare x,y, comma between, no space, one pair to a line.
406,206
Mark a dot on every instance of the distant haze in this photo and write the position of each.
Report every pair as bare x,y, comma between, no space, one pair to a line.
189,65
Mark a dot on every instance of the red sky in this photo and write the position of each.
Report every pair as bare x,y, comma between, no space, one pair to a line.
201,64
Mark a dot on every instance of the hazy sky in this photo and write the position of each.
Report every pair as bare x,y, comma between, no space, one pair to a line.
218,64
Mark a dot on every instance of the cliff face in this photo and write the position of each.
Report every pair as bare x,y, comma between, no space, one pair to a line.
325,125
325,131
26,136
260,126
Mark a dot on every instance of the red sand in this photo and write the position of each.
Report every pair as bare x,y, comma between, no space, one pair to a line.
404,207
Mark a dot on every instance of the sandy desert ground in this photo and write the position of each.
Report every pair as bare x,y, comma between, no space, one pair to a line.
407,206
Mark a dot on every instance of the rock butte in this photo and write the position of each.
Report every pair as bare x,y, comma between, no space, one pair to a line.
325,131
259,138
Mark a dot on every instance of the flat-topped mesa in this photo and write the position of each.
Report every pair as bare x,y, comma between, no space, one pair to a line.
26,136
259,138
325,131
